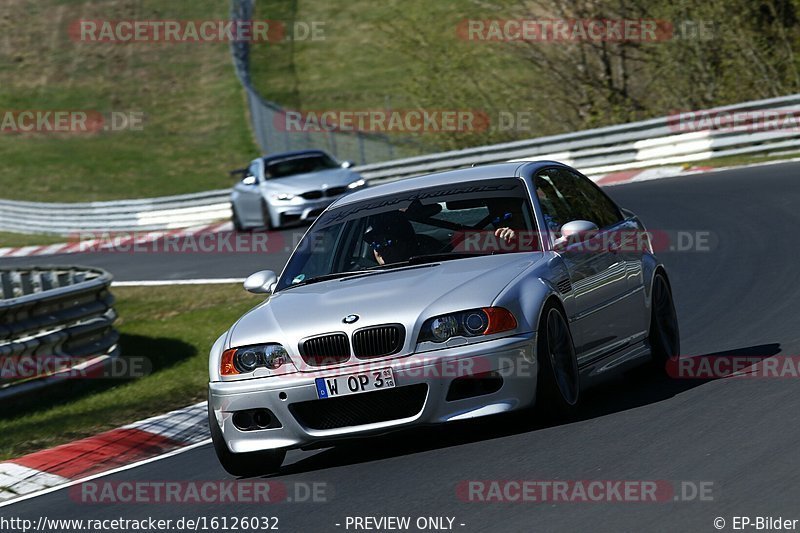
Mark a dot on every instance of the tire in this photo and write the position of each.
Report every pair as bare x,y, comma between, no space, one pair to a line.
243,464
266,216
237,222
558,380
664,336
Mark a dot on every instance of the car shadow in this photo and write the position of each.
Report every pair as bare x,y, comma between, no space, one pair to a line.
650,387
629,390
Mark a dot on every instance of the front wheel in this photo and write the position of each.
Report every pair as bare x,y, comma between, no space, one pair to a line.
243,464
237,222
265,214
664,337
558,383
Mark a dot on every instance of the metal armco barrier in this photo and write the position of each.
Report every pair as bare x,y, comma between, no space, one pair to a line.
149,214
53,312
595,152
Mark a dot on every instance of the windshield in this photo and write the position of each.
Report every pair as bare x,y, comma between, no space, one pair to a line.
298,165
442,223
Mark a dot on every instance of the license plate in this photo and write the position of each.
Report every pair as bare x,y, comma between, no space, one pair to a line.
336,386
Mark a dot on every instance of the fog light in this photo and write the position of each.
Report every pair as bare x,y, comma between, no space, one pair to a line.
261,418
254,419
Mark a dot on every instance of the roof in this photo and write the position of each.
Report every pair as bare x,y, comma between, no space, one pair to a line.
498,170
288,155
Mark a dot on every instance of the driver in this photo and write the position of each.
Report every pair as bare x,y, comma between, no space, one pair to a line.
391,237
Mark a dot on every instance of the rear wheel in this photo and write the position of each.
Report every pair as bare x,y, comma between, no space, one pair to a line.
558,383
664,337
243,464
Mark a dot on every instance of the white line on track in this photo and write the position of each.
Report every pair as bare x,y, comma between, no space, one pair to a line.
163,282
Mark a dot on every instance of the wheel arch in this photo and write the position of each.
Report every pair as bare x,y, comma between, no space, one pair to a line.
657,269
214,356
526,300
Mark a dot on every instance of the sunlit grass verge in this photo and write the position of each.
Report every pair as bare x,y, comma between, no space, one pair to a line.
172,327
194,125
742,160
13,240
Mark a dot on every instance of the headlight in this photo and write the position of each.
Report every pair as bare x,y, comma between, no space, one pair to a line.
248,358
442,328
470,323
357,184
283,196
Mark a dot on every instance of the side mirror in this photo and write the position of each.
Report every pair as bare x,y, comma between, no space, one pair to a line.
249,180
348,164
574,231
239,173
261,282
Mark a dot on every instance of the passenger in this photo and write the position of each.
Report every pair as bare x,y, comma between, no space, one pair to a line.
506,218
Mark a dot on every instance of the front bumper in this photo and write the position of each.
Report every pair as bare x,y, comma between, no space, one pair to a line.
513,358
297,210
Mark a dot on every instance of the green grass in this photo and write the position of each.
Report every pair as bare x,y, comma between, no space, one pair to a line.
739,160
173,327
389,55
195,127
12,240
358,64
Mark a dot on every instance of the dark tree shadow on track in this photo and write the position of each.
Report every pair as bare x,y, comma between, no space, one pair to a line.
140,356
636,388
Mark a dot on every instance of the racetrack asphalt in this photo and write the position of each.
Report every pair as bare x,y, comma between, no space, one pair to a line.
737,297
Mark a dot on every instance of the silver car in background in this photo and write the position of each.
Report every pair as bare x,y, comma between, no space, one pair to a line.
290,187
436,299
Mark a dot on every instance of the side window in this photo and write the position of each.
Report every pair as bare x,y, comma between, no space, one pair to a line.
555,207
593,201
253,170
568,196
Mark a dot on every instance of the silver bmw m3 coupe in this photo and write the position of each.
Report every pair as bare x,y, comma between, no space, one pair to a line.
281,189
440,298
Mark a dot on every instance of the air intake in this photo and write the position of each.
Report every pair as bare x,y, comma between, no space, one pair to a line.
325,350
378,341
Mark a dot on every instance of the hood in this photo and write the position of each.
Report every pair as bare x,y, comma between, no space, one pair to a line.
408,296
312,181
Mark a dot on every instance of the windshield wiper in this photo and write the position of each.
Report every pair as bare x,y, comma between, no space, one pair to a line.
431,258
445,256
414,260
326,277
